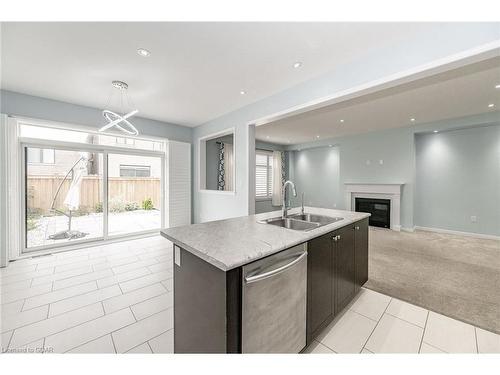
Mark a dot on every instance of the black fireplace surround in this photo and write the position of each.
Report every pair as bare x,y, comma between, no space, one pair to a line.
379,208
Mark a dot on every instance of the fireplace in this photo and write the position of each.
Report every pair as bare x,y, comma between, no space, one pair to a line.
390,192
380,210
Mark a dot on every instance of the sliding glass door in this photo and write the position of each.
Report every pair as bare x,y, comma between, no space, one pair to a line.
81,194
63,196
134,199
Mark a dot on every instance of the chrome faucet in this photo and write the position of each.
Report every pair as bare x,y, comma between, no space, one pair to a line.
284,208
302,204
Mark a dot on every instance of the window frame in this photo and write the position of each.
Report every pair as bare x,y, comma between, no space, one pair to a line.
136,168
41,158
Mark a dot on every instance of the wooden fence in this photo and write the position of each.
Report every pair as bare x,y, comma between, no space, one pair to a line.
41,190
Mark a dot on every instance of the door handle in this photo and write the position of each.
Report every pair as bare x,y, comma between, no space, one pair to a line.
356,227
336,238
265,275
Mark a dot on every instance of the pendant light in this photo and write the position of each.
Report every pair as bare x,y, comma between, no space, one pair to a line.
119,121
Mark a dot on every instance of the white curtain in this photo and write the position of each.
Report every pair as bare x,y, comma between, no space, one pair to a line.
277,183
228,166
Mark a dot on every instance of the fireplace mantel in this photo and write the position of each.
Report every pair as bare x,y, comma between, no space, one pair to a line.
390,191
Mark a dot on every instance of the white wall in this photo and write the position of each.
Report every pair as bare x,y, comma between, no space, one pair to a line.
440,41
360,158
316,173
16,104
458,176
322,171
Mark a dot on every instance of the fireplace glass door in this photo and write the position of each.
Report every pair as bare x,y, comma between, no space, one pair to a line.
380,210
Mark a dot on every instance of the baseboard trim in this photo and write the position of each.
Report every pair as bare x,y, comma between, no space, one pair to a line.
409,230
458,233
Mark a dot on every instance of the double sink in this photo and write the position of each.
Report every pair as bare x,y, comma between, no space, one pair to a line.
301,222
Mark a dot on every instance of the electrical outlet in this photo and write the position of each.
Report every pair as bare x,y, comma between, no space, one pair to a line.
335,205
473,219
381,162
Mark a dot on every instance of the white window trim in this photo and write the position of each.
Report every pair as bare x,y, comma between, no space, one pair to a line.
269,154
14,180
4,195
202,163
82,128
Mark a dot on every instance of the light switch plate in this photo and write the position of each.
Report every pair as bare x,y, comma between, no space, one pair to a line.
177,255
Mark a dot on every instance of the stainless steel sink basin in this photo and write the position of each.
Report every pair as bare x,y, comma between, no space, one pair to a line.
291,223
322,220
302,222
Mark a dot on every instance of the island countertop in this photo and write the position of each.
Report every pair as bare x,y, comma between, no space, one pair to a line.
234,242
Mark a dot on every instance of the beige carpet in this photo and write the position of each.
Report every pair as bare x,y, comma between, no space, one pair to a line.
452,275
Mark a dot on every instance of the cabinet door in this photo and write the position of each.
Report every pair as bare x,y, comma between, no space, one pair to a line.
319,284
361,252
344,267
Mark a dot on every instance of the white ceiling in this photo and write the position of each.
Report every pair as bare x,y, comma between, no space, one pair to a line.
196,70
456,93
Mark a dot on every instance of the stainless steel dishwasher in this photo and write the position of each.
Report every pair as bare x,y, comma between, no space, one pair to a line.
274,303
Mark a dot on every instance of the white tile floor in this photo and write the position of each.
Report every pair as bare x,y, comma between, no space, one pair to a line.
118,298
376,323
113,298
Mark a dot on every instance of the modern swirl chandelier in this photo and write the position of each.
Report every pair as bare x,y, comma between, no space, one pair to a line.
120,121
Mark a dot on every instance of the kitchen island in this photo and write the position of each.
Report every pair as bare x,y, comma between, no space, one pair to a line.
219,307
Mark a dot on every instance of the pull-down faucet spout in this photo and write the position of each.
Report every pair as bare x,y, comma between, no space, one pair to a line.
284,208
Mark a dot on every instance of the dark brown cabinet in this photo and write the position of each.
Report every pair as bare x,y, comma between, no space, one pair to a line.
361,252
337,267
344,270
320,286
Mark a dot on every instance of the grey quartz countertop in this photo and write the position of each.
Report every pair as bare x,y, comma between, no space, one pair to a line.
231,243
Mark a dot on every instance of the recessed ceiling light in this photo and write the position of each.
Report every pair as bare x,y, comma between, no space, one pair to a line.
342,120
267,136
243,92
435,131
143,52
491,105
317,136
329,145
297,64
497,86
412,120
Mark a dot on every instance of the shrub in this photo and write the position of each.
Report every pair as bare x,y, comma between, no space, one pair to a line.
98,207
131,206
147,204
32,222
116,205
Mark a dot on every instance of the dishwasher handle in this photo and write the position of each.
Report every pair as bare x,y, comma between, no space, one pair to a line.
265,275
